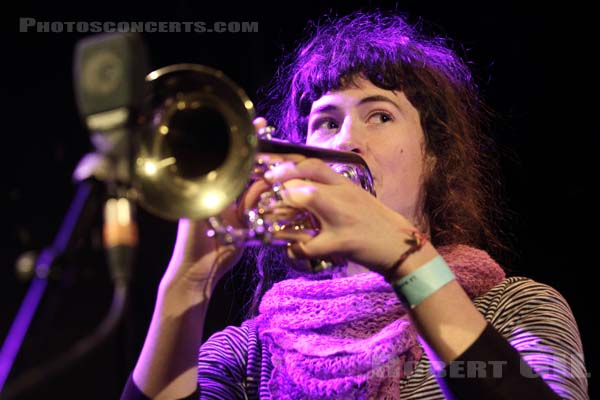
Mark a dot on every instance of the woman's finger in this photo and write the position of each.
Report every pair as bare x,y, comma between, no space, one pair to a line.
317,198
310,168
279,158
321,245
259,123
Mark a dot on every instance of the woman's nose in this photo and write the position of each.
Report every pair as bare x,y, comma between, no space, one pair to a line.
349,138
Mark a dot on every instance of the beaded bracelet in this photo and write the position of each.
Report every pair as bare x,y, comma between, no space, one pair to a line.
423,282
416,242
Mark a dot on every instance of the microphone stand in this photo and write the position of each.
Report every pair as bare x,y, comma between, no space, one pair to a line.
120,239
79,217
110,92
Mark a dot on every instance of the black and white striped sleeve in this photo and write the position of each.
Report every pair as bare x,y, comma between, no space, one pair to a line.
541,344
222,363
544,331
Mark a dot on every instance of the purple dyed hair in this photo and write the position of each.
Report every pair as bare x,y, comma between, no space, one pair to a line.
460,202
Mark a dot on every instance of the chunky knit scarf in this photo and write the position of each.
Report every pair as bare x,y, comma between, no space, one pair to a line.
350,337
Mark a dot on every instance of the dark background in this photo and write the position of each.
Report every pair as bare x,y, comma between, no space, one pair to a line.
533,64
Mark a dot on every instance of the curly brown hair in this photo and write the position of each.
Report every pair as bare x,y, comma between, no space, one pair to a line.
460,197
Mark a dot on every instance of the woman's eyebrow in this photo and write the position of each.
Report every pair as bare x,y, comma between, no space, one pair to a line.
369,99
376,98
324,108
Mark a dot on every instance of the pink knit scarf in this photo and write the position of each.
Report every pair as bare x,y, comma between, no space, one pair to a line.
349,337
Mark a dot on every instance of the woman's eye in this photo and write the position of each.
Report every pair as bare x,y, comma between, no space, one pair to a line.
380,118
324,125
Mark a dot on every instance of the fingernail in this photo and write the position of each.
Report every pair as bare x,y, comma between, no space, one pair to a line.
269,175
290,253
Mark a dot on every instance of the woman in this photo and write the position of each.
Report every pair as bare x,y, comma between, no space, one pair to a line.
420,311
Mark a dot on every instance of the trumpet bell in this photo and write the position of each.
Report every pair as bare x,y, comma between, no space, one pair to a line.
198,145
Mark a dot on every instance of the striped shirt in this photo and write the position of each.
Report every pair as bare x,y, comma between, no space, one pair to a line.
534,318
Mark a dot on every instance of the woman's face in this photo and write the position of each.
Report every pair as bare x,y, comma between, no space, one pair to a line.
384,128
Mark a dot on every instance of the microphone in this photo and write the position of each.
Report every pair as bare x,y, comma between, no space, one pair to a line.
110,71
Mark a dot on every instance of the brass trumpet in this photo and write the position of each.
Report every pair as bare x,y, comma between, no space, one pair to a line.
198,151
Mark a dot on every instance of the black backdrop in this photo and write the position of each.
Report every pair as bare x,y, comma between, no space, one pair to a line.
534,67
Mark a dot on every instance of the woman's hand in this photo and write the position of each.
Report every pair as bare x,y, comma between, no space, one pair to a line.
353,223
198,262
167,366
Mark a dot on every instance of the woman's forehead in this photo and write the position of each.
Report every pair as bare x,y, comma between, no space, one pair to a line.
360,91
